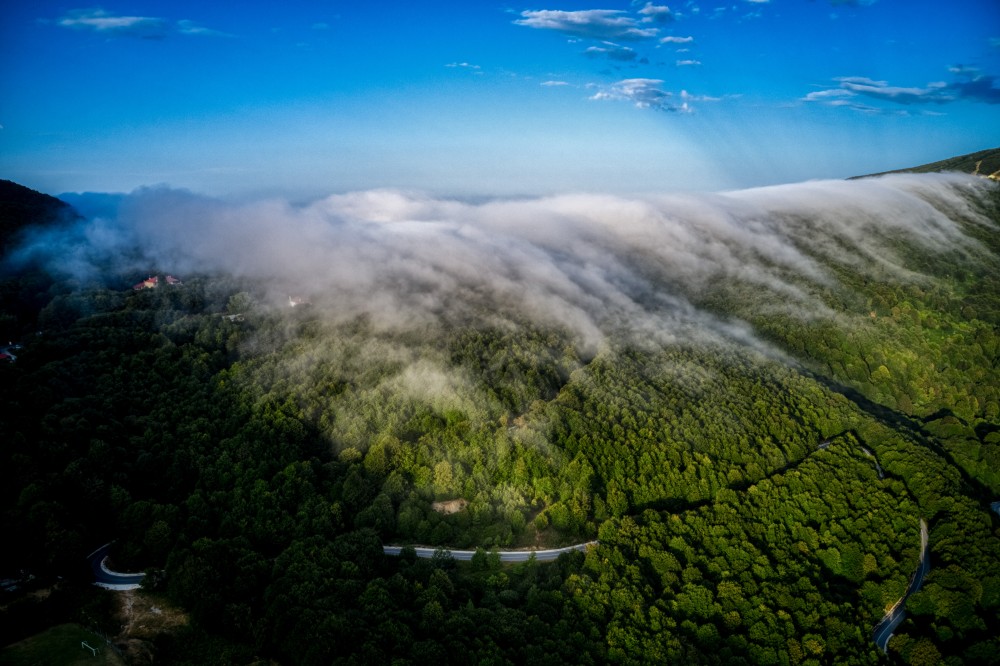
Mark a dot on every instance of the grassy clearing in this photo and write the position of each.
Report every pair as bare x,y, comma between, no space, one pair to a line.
59,645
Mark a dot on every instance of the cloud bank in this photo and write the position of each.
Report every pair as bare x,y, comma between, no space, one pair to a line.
602,24
970,86
590,264
608,27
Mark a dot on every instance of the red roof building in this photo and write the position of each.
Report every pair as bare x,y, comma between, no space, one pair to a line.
148,283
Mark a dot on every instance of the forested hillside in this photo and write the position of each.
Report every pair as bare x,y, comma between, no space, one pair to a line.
980,163
751,400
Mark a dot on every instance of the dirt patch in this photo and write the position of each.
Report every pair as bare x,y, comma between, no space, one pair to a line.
451,506
144,617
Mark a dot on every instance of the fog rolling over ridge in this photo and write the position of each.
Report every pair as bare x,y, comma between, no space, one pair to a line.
749,399
589,264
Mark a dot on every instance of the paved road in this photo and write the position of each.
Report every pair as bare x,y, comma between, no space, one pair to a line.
505,555
885,628
108,579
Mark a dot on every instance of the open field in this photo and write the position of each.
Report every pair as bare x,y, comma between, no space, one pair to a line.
59,645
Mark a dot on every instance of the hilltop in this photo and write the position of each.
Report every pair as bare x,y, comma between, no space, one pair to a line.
981,163
22,207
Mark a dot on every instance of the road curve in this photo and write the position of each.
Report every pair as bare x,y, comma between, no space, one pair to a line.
108,579
505,555
884,629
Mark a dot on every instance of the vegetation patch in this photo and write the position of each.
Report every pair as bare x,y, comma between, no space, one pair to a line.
751,405
62,644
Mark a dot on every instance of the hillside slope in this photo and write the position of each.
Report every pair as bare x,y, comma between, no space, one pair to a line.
752,400
981,163
21,207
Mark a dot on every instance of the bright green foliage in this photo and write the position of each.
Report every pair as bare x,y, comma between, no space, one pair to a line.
755,502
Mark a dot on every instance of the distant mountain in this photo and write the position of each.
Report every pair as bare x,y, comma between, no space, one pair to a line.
24,287
94,204
22,207
982,163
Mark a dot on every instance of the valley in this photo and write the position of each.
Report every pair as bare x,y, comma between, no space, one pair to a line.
731,426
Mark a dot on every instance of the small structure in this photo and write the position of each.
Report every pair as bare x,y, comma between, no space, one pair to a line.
149,283
295,301
451,506
93,650
171,280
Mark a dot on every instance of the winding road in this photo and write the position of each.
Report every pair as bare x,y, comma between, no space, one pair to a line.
108,579
505,555
884,629
114,580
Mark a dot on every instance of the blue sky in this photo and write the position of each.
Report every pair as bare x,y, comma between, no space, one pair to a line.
466,98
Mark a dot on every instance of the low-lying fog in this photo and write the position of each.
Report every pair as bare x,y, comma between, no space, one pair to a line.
590,263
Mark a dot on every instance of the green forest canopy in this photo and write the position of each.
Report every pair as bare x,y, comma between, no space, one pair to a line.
753,443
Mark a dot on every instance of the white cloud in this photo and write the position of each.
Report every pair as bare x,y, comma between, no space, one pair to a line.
899,95
688,97
656,13
603,24
463,65
611,51
554,83
822,95
676,40
145,27
970,86
861,80
649,94
186,27
688,63
644,93
98,20
963,69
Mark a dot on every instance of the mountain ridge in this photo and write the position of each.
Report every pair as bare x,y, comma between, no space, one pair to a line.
984,163
21,207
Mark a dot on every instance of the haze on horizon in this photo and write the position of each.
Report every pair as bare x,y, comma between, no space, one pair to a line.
471,99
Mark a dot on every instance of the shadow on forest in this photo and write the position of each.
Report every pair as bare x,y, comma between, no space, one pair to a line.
900,422
678,505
